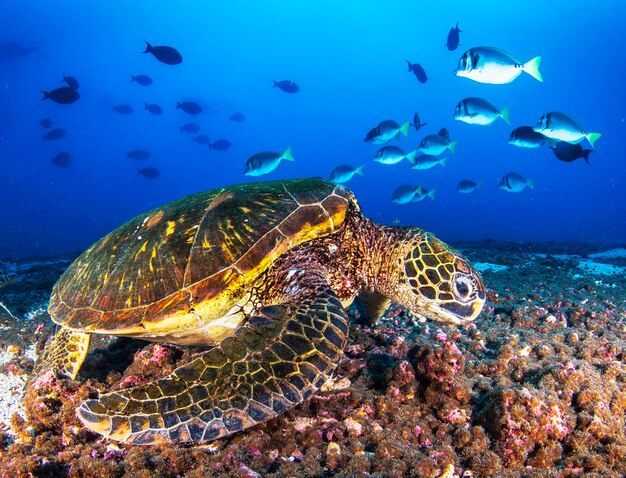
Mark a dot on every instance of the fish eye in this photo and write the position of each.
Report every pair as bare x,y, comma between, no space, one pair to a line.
462,287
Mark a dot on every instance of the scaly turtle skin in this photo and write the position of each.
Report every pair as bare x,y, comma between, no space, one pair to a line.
261,273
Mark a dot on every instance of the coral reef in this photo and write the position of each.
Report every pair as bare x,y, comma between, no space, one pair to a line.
535,387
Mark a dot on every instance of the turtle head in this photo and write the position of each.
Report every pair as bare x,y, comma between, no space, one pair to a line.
438,282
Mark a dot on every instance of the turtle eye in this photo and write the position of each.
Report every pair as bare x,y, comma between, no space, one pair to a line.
463,287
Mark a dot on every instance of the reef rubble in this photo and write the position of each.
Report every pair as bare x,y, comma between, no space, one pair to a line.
536,386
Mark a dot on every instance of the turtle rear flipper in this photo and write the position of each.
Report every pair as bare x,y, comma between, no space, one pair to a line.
276,360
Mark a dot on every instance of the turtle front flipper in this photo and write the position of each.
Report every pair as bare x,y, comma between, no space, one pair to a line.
65,353
276,360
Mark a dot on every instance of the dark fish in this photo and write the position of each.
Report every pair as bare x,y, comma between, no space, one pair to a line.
220,145
201,139
417,124
526,137
453,37
143,80
64,95
54,134
149,173
418,71
45,122
123,109
153,108
62,160
140,154
237,117
71,82
191,128
13,49
445,134
189,107
567,152
466,186
287,86
165,54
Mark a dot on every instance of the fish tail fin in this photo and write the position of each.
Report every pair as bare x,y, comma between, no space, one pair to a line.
404,129
409,65
46,95
145,107
148,47
530,183
431,194
177,105
287,154
532,68
592,138
585,155
359,170
479,185
133,77
457,27
423,124
443,161
411,156
275,83
505,114
452,146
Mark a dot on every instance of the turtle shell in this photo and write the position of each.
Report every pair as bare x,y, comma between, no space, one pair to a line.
186,264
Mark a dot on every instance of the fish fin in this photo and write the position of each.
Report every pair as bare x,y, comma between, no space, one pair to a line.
530,183
423,124
404,129
177,105
585,155
145,106
452,146
287,154
505,114
592,138
411,156
359,170
46,95
443,161
148,48
132,77
431,194
479,185
409,65
532,68
275,83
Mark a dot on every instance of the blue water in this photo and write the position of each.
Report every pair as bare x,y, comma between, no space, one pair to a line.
349,59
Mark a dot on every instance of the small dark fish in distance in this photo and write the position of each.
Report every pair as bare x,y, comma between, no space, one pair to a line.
64,95
568,152
237,117
201,139
149,173
45,122
418,71
287,86
417,124
453,37
526,137
123,109
165,54
62,160
153,108
139,154
143,80
445,134
71,82
220,145
189,107
466,186
54,134
191,128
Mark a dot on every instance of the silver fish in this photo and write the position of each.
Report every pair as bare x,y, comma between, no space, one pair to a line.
564,127
526,137
466,186
479,111
486,64
435,144
266,162
425,161
385,131
404,194
516,183
392,155
345,173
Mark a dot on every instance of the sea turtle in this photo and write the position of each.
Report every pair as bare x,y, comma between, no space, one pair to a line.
262,274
